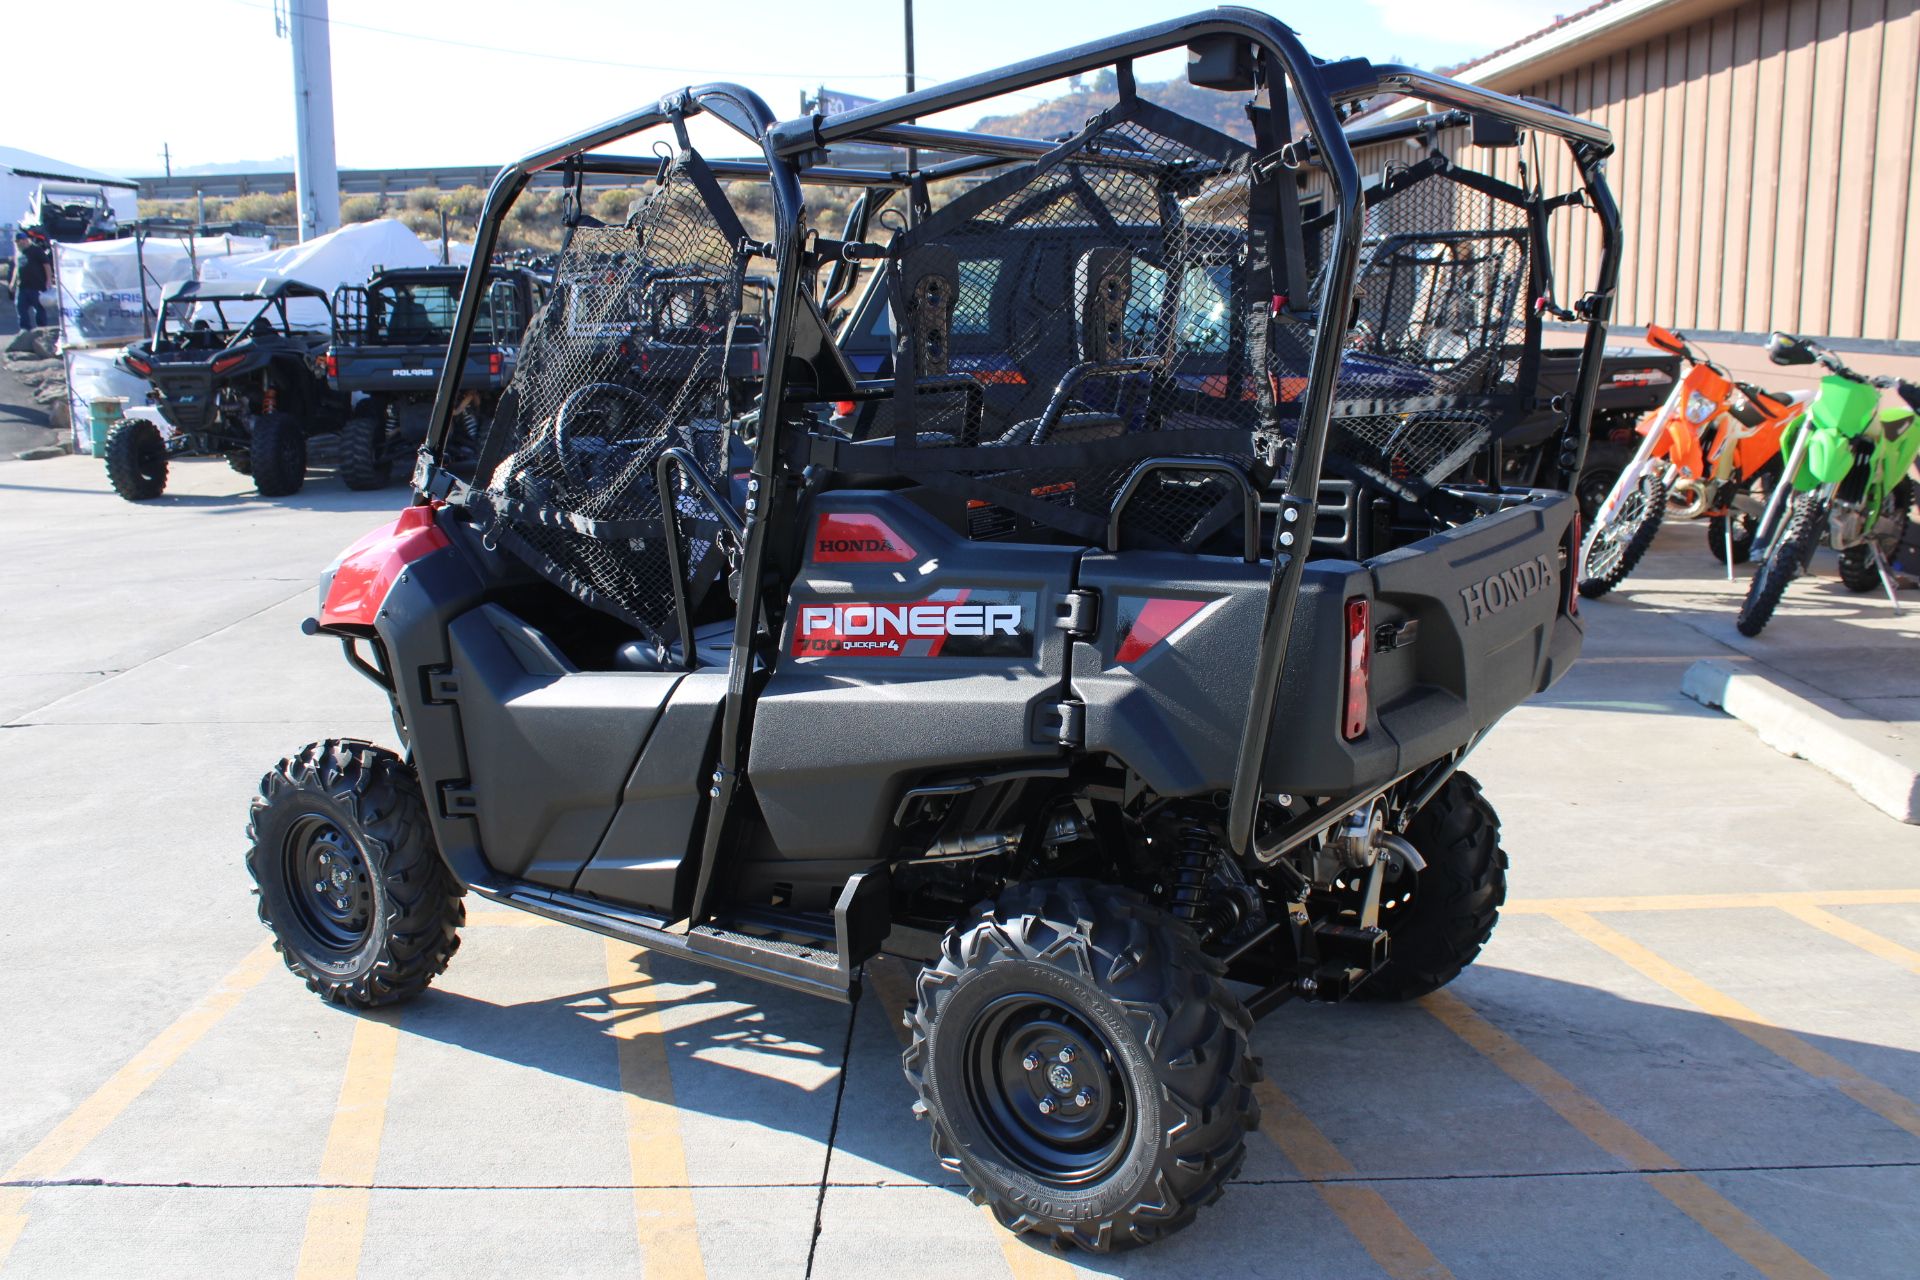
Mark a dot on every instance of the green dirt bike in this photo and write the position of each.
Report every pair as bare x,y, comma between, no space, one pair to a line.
1848,461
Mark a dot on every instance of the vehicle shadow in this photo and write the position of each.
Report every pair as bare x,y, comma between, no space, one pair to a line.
1415,1110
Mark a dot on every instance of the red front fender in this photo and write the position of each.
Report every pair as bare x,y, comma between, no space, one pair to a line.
366,570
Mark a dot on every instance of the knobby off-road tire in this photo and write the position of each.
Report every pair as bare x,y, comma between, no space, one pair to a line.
1743,527
1857,569
1148,1029
136,459
1456,899
1792,552
347,877
366,462
279,454
1624,539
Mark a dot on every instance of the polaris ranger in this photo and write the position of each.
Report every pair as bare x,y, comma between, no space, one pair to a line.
389,348
1117,781
232,374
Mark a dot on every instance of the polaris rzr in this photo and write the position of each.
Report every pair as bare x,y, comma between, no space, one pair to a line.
390,346
232,374
1032,688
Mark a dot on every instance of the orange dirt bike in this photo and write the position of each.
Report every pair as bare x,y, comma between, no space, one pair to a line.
1710,450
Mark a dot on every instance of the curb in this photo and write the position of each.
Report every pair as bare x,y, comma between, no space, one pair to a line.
1798,727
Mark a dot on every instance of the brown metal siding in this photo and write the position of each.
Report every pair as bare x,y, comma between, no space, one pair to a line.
1766,169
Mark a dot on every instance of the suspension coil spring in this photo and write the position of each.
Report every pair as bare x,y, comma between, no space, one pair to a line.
1197,852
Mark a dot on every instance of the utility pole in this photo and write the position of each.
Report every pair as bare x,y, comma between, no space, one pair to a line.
913,161
166,158
316,178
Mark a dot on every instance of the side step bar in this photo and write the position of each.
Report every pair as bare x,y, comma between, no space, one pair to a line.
859,922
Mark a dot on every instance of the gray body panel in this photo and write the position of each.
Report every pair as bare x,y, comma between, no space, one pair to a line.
837,737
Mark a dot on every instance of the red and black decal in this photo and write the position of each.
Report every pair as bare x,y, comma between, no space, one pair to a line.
1145,622
858,537
947,624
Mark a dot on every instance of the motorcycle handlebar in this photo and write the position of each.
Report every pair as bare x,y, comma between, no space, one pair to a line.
1833,363
1909,391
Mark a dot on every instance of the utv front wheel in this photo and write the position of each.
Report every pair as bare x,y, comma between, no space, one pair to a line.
136,459
279,453
1084,1067
1438,918
366,462
359,903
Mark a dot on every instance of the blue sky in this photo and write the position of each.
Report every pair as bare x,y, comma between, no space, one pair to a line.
418,91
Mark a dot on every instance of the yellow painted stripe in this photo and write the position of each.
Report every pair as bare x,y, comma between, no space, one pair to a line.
1848,931
1870,1094
892,985
1762,1250
1714,901
1380,1231
337,1215
663,1215
49,1159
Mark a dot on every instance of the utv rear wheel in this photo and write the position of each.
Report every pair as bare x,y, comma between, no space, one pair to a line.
242,461
279,453
136,459
1618,544
1083,1065
348,880
366,461
1437,924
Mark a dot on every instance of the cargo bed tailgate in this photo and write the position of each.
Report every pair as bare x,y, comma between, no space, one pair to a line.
1462,627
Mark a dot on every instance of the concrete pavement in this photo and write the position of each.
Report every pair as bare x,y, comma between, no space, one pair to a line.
1691,1049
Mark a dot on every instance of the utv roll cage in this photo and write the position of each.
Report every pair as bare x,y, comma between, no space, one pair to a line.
1229,48
269,295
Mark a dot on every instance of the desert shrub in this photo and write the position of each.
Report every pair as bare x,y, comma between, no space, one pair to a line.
463,203
359,209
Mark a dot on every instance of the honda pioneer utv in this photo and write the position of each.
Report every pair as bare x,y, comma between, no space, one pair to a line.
1031,691
231,374
389,347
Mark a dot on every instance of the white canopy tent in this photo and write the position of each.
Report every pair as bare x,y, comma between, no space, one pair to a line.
346,256
109,289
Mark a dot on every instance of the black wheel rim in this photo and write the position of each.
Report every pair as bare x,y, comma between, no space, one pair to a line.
1594,488
329,883
150,457
1048,1090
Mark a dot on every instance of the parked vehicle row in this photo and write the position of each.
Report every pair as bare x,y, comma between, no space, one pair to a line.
1780,472
236,373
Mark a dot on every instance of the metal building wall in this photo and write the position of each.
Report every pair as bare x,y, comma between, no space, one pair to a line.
1766,169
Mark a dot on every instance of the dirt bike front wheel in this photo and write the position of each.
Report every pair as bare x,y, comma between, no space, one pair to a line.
1617,545
1790,554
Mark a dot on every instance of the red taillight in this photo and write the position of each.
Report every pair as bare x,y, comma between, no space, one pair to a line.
332,363
496,364
1575,546
140,367
843,408
1359,666
225,363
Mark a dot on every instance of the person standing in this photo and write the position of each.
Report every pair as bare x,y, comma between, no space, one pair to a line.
29,280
